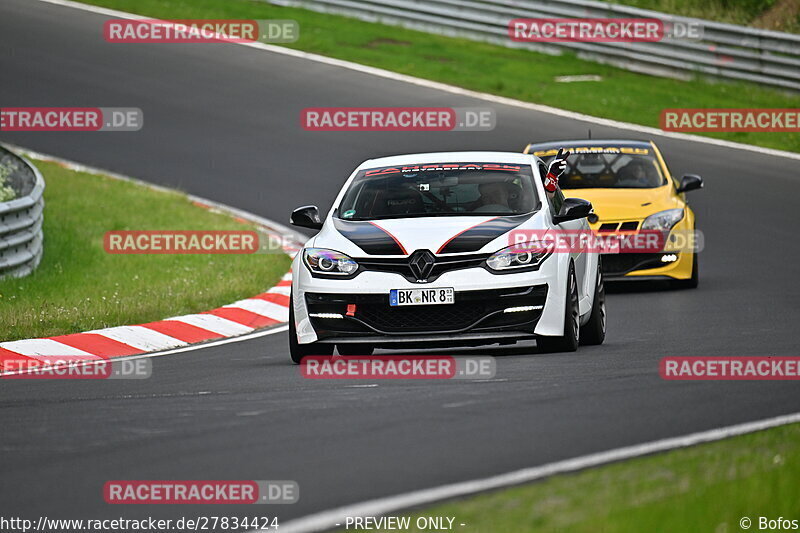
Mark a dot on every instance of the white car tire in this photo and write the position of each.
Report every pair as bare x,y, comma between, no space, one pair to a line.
568,342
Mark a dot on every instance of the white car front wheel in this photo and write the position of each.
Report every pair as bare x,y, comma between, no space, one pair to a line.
568,342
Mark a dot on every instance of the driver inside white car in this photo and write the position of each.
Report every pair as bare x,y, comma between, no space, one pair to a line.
494,197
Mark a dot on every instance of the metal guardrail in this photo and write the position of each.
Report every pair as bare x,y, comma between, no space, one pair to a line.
725,50
21,236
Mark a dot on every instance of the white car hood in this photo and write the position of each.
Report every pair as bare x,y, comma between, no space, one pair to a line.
440,235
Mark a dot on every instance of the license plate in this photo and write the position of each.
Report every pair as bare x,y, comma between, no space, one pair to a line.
431,296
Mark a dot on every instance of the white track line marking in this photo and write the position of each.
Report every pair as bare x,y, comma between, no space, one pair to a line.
240,338
454,90
328,519
219,325
42,347
281,290
140,337
260,307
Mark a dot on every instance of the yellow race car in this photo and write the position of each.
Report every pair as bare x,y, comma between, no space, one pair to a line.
632,189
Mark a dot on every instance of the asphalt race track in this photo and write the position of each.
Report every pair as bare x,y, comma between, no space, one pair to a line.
222,122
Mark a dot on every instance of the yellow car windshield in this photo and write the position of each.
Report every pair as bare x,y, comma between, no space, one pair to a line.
611,171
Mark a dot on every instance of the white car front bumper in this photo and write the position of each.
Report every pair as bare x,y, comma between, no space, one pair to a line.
477,286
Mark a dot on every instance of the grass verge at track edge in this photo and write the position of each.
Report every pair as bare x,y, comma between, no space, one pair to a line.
327,520
241,318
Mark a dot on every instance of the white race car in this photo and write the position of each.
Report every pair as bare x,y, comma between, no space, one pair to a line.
423,250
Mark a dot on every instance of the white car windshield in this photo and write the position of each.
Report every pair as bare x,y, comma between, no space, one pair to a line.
440,189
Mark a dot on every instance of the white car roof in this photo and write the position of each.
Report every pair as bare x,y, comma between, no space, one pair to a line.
448,157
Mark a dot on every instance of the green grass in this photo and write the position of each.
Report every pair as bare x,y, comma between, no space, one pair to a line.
78,286
732,11
520,74
6,191
744,12
706,488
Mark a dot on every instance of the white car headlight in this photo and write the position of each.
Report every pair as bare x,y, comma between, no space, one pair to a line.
663,220
328,262
519,256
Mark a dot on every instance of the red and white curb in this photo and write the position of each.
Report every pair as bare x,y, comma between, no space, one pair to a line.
239,318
